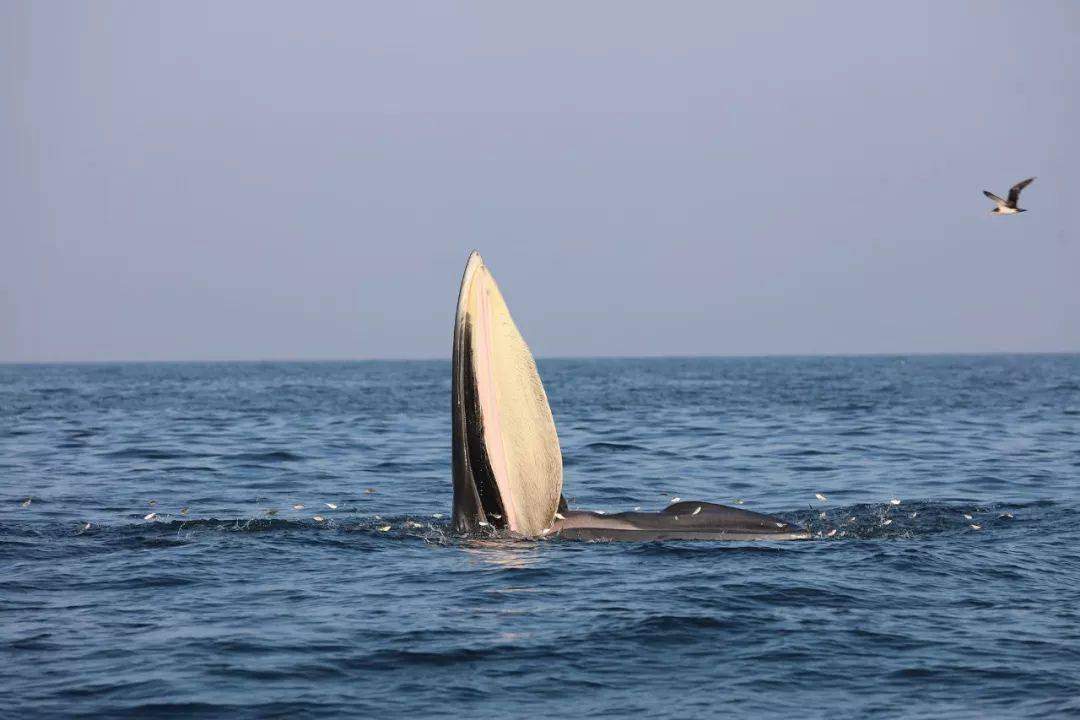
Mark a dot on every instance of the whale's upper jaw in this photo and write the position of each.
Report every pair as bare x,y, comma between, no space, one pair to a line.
507,465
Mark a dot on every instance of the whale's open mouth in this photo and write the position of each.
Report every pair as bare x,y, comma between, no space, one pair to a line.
507,461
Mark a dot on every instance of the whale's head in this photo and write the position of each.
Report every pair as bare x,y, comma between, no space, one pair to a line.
506,457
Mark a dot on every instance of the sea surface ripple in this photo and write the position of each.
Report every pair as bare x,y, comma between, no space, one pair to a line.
960,601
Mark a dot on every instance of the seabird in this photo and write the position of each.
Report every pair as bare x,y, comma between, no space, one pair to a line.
1008,207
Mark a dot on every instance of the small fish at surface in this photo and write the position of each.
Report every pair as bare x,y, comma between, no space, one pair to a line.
318,518
184,510
384,528
85,527
298,506
150,516
369,491
675,500
887,522
914,514
739,502
821,497
332,506
437,516
894,501
1006,516
637,508
696,510
967,517
26,502
831,533
976,527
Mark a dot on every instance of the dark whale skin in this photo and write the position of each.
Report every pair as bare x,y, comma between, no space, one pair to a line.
677,521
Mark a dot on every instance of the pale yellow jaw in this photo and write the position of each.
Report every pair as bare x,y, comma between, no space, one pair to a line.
519,435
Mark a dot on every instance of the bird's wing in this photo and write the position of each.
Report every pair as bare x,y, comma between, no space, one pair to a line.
1014,192
995,198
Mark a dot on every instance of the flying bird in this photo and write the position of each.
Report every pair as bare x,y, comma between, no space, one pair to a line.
1008,207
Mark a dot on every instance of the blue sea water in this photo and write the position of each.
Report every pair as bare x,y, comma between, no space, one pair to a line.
909,610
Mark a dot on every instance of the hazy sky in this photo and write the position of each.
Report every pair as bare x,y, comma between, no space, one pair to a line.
304,180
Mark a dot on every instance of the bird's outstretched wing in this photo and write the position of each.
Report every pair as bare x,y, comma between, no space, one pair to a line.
995,198
1014,192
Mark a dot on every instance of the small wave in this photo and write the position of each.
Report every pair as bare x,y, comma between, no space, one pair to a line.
269,456
804,452
613,447
145,453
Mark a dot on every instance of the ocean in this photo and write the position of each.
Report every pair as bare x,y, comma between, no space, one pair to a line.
160,569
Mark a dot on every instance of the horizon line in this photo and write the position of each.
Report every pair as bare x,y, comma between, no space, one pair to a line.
675,356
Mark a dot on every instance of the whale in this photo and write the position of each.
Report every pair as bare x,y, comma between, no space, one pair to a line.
506,458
